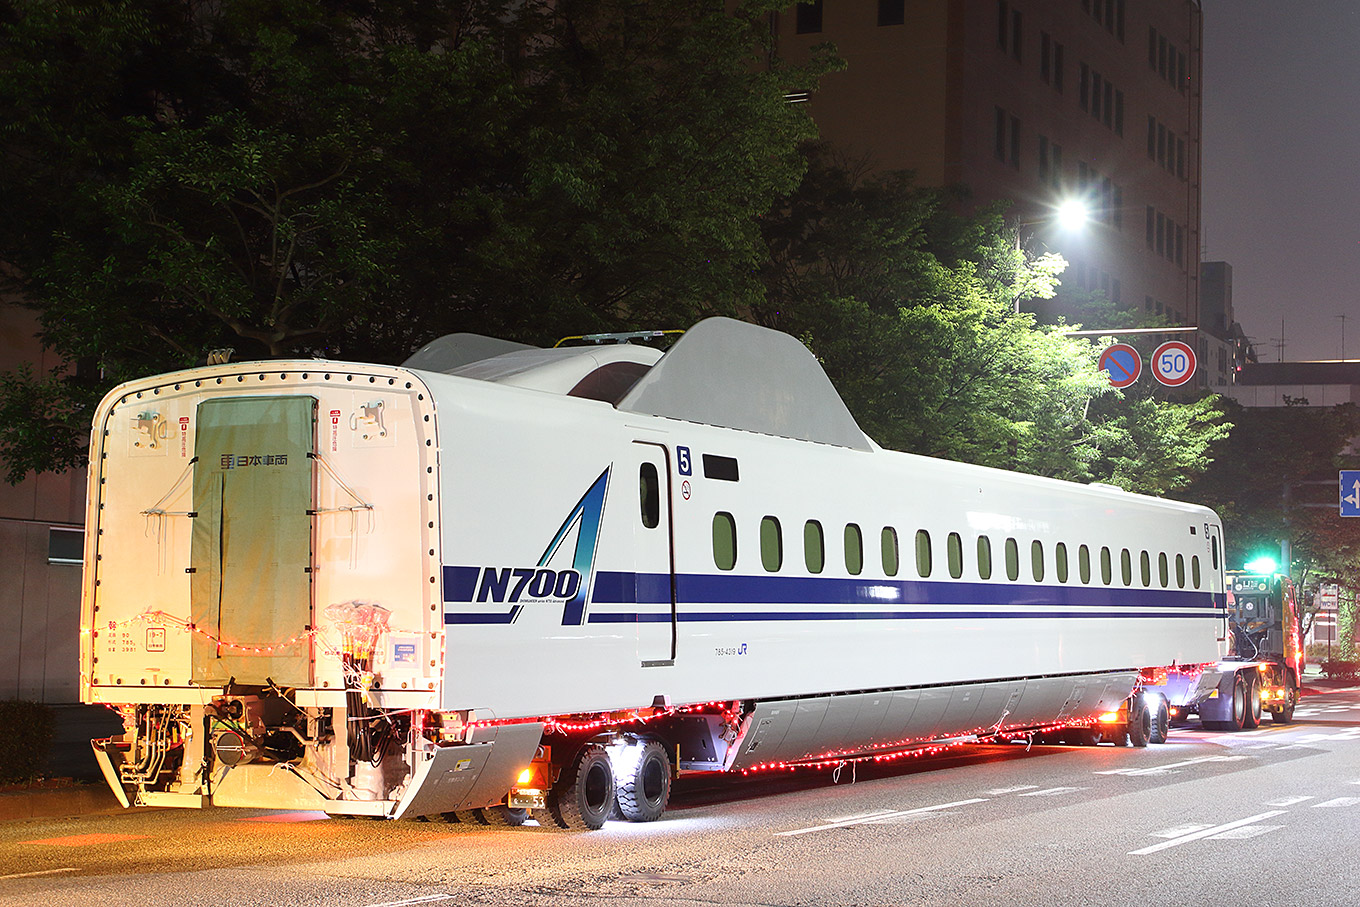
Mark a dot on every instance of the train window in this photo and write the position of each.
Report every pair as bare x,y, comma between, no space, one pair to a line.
954,547
1145,568
1060,561
650,488
889,551
1084,563
771,544
1194,570
814,546
724,468
1214,549
1036,560
1126,566
923,552
854,549
1163,574
1180,571
1106,574
724,540
984,557
1012,560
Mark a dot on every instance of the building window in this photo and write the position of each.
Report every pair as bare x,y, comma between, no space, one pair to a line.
1058,67
1119,113
1096,86
1000,134
891,12
1084,93
1057,166
808,19
1045,57
1016,42
1015,142
65,546
1003,23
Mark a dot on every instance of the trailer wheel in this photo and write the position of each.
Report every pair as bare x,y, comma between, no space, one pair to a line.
1161,721
1140,722
1237,714
502,816
1285,713
584,796
644,792
1251,716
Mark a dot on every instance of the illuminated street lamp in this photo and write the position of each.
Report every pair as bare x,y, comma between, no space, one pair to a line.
1070,215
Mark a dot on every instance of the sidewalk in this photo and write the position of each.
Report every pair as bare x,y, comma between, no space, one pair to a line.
77,787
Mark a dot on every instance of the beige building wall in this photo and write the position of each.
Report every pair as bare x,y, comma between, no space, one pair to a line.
39,600
989,94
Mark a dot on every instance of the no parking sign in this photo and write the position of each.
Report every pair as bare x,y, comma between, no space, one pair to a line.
1122,363
1173,363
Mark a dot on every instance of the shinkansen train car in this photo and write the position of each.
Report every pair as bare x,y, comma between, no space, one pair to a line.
501,578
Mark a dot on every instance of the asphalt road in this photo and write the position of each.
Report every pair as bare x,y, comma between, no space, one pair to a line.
1266,817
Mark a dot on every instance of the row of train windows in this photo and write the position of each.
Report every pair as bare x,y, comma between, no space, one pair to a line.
814,555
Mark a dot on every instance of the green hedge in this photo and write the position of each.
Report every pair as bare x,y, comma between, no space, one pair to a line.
25,740
1339,669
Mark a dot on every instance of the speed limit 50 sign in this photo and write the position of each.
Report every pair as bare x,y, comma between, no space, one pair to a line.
1173,363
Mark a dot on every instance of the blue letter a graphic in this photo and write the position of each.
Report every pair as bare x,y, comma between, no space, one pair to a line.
588,511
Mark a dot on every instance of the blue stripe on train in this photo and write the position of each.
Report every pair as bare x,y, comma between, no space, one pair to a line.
979,600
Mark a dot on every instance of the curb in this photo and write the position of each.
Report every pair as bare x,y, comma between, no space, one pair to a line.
58,803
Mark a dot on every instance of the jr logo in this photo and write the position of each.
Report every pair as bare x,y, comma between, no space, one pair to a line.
514,585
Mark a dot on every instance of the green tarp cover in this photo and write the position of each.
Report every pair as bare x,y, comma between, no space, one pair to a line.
251,545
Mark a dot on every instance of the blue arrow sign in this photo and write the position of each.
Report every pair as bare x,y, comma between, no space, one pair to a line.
1350,492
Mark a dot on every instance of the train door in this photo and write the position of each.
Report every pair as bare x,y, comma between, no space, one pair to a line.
654,556
251,557
1217,581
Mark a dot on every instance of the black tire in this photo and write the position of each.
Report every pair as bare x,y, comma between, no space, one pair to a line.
502,816
1251,716
1140,722
584,795
1237,712
1285,713
642,797
1161,721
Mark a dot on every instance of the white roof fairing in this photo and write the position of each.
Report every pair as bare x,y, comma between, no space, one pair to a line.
720,372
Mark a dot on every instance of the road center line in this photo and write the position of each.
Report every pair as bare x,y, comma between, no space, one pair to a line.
881,817
1207,833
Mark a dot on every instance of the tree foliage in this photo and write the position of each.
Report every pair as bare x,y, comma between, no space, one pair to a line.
1275,477
353,178
913,310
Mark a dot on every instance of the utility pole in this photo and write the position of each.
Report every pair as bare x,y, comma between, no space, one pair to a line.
1343,337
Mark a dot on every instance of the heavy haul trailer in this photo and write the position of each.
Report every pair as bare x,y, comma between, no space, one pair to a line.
1262,672
500,578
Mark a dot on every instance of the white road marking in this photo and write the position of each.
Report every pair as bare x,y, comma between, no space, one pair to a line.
427,899
1180,831
1339,801
1053,792
1289,801
1206,833
1246,831
1170,767
1019,787
898,814
40,872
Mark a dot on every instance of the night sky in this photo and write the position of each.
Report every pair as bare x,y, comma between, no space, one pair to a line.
1282,168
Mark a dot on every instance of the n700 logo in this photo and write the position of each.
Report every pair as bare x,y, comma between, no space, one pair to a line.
510,584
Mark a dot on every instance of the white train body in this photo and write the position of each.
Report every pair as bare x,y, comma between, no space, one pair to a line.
553,569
